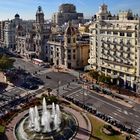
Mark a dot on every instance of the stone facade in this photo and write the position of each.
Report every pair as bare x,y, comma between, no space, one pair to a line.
32,43
67,12
69,50
114,48
8,31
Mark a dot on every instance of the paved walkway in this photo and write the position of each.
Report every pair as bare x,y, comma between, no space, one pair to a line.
84,129
11,125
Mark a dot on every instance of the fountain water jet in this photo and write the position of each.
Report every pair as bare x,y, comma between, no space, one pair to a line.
50,119
46,123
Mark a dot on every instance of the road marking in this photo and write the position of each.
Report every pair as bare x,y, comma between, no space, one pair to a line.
104,101
115,113
125,112
137,117
74,92
119,110
131,113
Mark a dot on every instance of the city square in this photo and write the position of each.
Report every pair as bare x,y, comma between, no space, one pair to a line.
70,77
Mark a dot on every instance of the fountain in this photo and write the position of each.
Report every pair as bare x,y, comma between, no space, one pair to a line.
48,118
45,122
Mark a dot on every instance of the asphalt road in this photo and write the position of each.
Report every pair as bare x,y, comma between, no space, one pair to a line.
47,75
126,115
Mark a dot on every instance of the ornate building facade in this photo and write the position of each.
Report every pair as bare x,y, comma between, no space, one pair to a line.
114,47
67,12
32,43
8,31
69,50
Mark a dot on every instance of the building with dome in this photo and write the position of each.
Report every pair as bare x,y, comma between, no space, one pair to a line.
8,31
68,50
67,12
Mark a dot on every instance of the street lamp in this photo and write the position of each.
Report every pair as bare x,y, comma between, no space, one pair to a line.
59,82
84,93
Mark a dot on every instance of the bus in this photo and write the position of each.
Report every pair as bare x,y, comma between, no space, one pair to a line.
37,61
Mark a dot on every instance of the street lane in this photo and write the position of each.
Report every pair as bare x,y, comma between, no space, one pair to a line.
123,114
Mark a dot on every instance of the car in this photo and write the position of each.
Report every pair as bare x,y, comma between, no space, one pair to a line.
34,80
29,85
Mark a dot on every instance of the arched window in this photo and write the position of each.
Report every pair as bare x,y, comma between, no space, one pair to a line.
69,40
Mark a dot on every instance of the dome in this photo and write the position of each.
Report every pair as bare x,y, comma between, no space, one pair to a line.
70,30
17,16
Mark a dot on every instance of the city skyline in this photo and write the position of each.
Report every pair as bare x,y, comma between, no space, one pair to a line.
26,9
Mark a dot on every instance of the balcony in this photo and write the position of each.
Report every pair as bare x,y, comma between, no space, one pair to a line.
125,55
118,48
118,63
125,49
118,54
112,53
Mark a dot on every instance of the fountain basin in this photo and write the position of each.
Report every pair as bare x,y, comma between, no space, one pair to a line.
66,129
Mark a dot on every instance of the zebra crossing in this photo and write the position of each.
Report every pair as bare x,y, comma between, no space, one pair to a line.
138,132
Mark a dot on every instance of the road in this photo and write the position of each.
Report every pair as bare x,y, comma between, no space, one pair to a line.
125,115
47,75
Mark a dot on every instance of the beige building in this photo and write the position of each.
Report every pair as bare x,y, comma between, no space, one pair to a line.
115,47
69,50
31,44
67,12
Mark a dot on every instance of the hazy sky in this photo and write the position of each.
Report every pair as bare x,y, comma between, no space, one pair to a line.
27,8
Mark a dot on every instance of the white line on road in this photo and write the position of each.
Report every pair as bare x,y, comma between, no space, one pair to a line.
75,92
105,102
125,112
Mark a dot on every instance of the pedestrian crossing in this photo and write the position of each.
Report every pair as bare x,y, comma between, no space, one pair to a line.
138,132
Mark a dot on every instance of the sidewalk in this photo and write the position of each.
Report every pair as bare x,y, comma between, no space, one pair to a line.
129,99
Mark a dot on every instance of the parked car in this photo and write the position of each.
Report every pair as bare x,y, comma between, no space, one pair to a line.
29,85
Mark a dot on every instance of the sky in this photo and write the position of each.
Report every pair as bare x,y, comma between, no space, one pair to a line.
27,8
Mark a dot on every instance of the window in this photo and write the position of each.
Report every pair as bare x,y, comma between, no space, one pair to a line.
121,34
108,32
51,52
74,56
74,40
102,32
74,51
129,34
57,49
103,69
96,43
69,51
69,57
69,40
115,33
57,54
108,71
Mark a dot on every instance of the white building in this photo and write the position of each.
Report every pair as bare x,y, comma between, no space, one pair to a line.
115,47
8,31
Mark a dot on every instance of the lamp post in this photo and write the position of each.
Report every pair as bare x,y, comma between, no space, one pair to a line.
84,93
59,82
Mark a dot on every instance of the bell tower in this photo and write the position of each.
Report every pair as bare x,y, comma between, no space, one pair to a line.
39,16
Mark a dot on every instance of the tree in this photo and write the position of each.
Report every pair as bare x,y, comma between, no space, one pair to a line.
49,90
94,74
6,62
